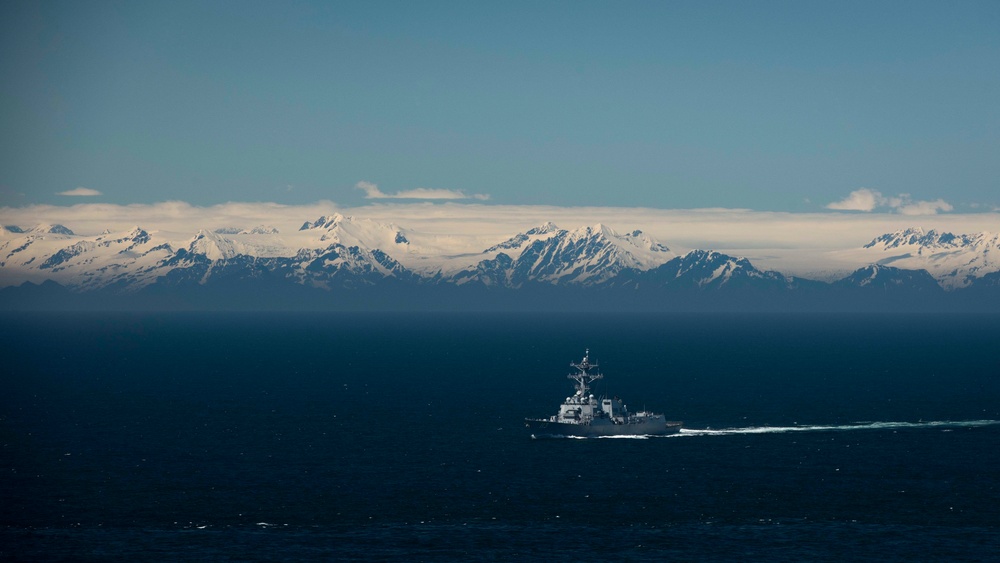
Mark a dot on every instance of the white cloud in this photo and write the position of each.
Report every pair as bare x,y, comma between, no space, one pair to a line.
372,192
924,207
80,192
868,200
859,200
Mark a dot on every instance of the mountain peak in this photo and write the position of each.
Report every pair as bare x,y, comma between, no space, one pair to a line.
543,229
364,233
585,256
212,245
596,230
954,260
913,236
708,269
258,230
324,222
642,240
55,229
882,277
135,234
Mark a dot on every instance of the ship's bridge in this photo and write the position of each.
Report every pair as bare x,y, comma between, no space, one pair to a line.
577,408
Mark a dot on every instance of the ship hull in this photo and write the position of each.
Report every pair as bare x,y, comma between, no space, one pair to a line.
652,427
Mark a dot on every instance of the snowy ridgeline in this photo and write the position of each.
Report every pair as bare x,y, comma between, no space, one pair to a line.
337,251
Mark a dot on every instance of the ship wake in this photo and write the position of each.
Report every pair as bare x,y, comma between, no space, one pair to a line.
854,426
944,425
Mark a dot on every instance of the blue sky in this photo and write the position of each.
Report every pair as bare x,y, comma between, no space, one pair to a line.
770,106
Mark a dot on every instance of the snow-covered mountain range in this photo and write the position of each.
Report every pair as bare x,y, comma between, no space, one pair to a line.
955,261
335,252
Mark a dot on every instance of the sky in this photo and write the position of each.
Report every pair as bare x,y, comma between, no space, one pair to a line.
789,107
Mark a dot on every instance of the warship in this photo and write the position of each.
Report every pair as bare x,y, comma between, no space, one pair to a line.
582,415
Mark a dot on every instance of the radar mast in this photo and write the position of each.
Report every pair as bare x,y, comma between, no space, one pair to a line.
584,378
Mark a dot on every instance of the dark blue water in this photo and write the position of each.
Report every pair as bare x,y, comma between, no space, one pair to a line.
317,437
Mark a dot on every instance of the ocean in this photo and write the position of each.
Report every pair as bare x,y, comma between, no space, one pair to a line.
247,437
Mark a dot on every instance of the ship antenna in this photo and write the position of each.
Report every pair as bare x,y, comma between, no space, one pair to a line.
583,377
